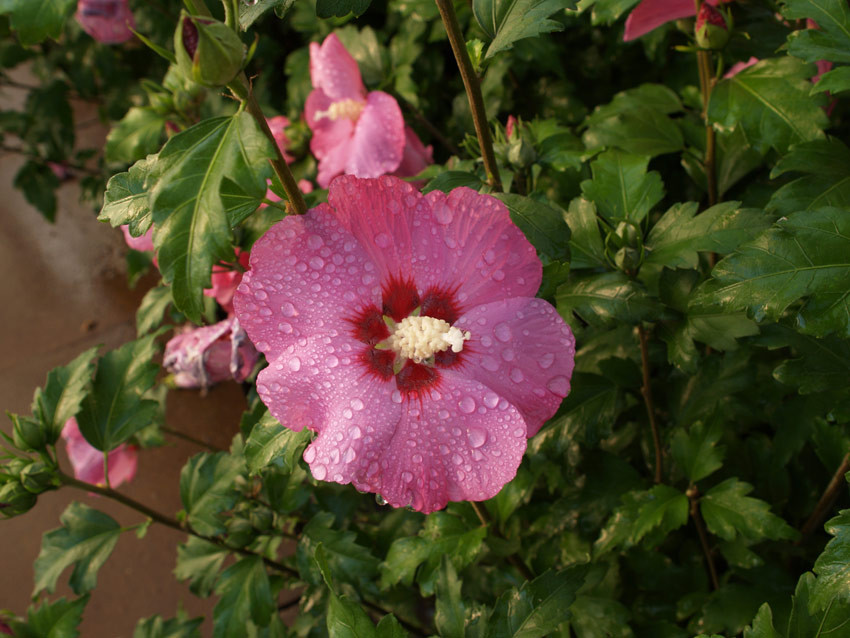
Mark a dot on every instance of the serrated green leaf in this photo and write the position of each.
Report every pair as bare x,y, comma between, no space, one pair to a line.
37,20
730,513
538,607
115,409
199,562
771,103
606,11
507,21
207,489
58,619
696,451
586,249
834,81
250,13
157,627
346,619
389,627
245,594
736,157
151,310
808,621
449,180
738,554
817,365
662,507
591,408
830,41
606,298
541,224
443,534
449,616
38,184
191,224
270,441
137,134
64,390
341,8
85,540
621,188
826,180
677,238
598,617
348,560
803,257
126,200
833,566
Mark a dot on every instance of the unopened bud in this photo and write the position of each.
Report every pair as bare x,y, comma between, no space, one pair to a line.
208,52
28,434
38,478
712,32
15,499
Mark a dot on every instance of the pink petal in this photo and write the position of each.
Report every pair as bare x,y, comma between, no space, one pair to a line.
736,68
224,280
107,21
332,139
333,70
416,156
143,243
201,357
464,442
467,241
522,350
307,274
378,144
651,14
87,461
122,464
278,125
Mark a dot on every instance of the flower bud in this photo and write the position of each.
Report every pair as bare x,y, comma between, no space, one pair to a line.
38,478
28,434
15,499
207,51
712,32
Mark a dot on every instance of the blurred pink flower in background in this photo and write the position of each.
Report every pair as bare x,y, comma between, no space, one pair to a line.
736,68
142,244
87,460
404,330
107,21
278,126
651,14
202,357
224,281
355,132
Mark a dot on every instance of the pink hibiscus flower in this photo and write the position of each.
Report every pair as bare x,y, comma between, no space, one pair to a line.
87,460
355,132
142,244
224,281
651,14
201,357
107,21
403,329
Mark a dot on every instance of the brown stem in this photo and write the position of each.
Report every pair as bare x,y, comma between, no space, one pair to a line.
486,521
693,499
646,391
473,92
242,90
827,499
182,435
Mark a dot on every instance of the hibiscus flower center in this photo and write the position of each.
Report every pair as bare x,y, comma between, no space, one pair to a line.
420,338
347,108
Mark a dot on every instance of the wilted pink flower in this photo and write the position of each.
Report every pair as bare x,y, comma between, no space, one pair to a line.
403,329
87,460
224,281
354,132
143,243
651,14
201,357
107,21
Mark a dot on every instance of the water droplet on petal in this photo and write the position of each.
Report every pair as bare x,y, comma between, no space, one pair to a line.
499,275
372,470
310,454
356,433
314,242
517,376
489,363
295,364
503,332
477,436
456,459
261,295
319,472
332,361
335,455
443,214
288,309
490,256
347,413
382,240
357,404
491,399
350,455
467,405
406,477
546,360
285,327
417,458
316,263
396,396
559,385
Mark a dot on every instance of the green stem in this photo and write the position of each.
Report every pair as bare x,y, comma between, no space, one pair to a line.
693,499
706,86
646,392
182,435
242,90
231,14
473,91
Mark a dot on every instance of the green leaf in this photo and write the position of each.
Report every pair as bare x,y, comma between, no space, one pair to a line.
199,562
696,451
192,227
607,11
269,441
449,180
126,199
38,184
803,257
245,594
85,540
598,617
151,310
680,234
207,489
591,408
586,249
64,390
389,627
115,409
538,607
449,616
729,513
37,20
621,188
349,561
507,21
58,619
346,619
542,225
818,365
771,103
250,13
341,8
137,134
603,299
825,165
762,626
830,41
809,621
443,534
736,157
834,81
833,565
662,507
180,627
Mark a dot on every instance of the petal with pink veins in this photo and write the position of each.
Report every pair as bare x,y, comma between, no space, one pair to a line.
87,460
521,349
378,144
651,14
333,70
303,271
